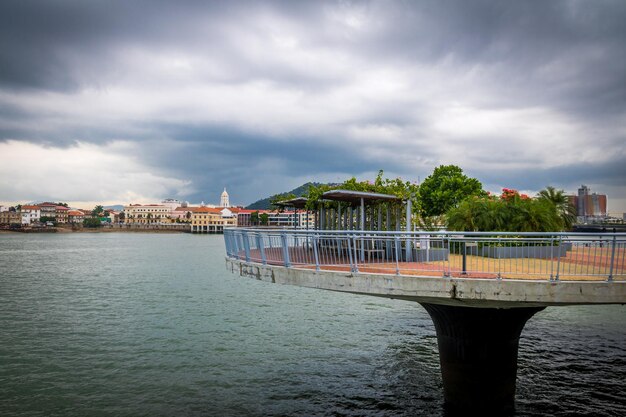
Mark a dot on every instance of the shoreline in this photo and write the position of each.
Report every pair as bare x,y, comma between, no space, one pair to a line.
95,230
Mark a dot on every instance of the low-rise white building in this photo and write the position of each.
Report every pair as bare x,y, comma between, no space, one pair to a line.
30,214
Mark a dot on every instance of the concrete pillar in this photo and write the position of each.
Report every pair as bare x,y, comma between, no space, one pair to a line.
478,356
362,225
350,218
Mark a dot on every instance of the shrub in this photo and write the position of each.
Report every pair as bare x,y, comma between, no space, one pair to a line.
510,212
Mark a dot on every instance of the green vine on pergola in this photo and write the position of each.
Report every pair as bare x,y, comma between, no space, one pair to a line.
392,186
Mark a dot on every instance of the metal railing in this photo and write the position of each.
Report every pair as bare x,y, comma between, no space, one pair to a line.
497,255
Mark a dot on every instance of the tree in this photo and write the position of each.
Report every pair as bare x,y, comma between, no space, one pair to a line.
97,211
265,218
564,207
445,188
45,219
254,218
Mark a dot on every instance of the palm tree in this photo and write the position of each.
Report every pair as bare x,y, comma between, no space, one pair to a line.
564,208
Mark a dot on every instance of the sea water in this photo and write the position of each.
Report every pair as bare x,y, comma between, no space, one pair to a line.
133,324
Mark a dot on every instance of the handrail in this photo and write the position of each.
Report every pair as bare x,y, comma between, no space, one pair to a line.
426,232
552,256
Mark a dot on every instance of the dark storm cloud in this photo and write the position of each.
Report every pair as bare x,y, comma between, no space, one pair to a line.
566,57
564,51
227,150
611,173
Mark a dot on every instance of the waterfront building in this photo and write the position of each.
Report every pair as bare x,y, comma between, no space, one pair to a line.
146,214
212,220
48,209
75,216
173,204
4,208
289,219
86,213
244,217
183,214
10,217
61,214
30,214
113,216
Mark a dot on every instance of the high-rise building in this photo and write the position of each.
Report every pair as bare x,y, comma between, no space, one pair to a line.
589,204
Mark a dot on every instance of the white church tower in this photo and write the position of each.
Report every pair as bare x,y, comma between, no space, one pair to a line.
224,199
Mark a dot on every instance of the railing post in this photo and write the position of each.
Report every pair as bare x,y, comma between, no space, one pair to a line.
227,244
352,256
610,278
397,251
283,237
464,269
316,253
246,245
235,244
362,246
448,272
259,244
552,258
558,261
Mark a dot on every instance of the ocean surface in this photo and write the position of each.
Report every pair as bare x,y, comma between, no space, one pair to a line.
131,324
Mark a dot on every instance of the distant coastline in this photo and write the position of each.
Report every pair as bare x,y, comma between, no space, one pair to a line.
103,229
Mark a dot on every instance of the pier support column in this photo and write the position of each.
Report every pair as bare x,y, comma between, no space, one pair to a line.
478,356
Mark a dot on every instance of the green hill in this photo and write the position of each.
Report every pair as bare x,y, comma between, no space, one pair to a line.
264,204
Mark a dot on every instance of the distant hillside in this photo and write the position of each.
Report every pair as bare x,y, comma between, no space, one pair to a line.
117,207
264,204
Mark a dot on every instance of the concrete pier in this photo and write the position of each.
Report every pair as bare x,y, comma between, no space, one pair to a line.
478,311
478,355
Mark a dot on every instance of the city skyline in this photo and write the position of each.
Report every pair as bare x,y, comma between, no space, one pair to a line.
144,101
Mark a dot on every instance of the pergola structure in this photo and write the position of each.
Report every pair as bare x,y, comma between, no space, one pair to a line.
358,202
364,211
296,203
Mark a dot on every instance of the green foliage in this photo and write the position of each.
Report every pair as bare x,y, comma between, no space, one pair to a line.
62,204
403,189
97,211
45,219
511,212
280,197
444,189
265,203
562,204
265,219
254,218
92,223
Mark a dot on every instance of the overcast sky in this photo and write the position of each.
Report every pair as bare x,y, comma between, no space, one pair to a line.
120,102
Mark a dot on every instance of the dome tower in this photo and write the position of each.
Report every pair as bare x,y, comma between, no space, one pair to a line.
224,199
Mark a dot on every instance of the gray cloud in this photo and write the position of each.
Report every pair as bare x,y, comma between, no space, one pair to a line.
255,96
